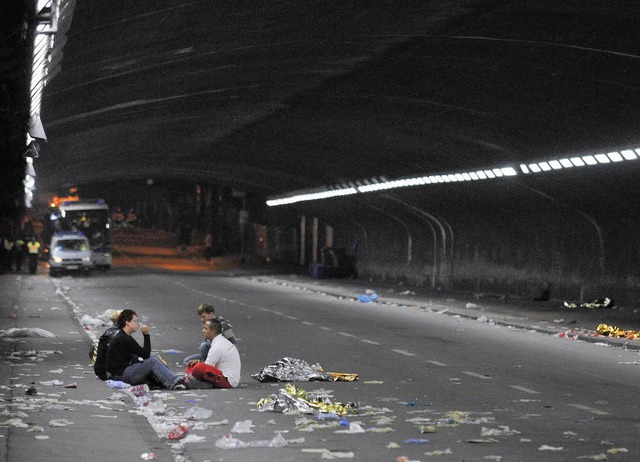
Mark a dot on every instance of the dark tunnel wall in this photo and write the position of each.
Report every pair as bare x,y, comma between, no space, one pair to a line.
575,237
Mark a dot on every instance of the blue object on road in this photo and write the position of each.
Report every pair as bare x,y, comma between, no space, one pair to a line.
117,384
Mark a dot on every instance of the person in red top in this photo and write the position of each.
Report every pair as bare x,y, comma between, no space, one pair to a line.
221,369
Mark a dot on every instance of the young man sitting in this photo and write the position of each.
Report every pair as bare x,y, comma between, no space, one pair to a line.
221,368
206,313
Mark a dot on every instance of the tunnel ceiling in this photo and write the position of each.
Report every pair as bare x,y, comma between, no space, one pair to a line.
278,96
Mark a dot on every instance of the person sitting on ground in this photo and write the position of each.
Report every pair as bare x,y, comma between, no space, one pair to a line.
206,313
100,352
221,369
133,364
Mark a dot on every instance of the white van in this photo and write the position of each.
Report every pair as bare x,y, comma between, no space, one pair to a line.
69,251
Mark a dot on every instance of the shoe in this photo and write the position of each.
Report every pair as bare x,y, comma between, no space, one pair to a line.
179,385
194,384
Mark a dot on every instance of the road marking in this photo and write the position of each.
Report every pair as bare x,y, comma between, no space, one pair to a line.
436,363
370,342
588,409
473,374
347,335
525,389
403,352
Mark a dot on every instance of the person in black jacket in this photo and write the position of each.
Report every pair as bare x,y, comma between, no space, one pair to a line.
99,352
131,363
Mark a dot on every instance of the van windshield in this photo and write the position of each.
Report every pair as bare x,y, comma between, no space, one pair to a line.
71,244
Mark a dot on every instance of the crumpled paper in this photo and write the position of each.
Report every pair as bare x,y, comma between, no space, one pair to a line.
291,398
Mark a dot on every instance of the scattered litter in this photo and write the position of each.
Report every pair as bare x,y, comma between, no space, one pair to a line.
483,440
393,446
502,431
60,423
599,303
117,384
197,413
617,451
373,382
17,332
56,371
178,432
291,370
364,298
291,398
229,442
71,385
41,437
471,305
193,439
616,332
147,456
243,426
36,429
18,423
87,320
171,352
428,429
546,447
416,441
50,383
337,455
438,452
354,427
600,456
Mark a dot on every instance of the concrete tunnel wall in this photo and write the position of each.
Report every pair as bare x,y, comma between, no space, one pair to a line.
496,253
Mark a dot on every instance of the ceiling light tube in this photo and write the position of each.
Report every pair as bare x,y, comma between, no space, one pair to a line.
590,160
602,158
524,168
577,161
629,154
566,163
544,166
615,156
535,168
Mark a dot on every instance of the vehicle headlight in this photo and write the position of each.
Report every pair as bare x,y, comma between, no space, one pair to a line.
86,259
57,260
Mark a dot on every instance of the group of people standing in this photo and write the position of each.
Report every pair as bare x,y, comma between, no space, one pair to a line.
216,365
13,252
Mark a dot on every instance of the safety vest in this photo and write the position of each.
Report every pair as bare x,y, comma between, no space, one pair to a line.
33,246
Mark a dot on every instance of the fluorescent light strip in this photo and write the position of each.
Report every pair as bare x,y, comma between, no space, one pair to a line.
312,196
596,159
543,166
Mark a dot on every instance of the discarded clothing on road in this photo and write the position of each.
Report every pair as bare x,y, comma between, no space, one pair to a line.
599,303
292,370
291,398
612,331
298,370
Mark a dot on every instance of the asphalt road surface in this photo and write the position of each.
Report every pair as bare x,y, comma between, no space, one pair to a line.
484,392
